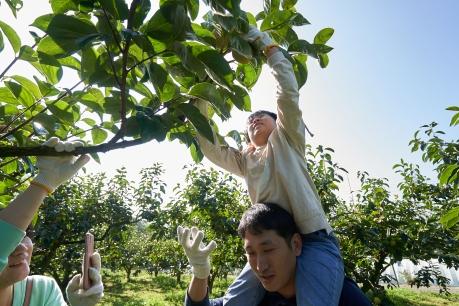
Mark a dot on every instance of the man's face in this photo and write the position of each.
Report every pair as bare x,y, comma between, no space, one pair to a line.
259,128
273,260
18,264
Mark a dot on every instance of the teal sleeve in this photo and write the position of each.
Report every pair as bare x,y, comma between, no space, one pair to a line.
10,237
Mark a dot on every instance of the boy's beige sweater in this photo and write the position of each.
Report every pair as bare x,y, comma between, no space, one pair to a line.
277,172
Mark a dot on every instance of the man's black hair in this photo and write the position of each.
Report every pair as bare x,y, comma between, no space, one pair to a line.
258,114
267,216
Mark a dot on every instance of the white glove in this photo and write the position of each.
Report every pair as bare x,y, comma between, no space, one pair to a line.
79,297
196,251
260,40
54,170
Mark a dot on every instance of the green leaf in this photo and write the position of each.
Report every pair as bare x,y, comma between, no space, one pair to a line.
89,121
299,20
23,95
271,6
46,89
209,92
64,111
117,8
7,96
47,121
454,120
189,61
193,8
239,97
163,84
451,218
29,85
276,19
67,34
98,135
49,67
43,22
247,75
26,53
323,36
449,174
453,108
288,4
94,99
140,13
310,49
182,75
323,60
169,23
300,68
70,62
241,46
236,136
203,34
215,64
63,6
196,152
12,36
200,122
88,63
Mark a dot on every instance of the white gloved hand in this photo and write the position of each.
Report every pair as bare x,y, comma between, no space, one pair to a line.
259,39
77,296
196,251
55,170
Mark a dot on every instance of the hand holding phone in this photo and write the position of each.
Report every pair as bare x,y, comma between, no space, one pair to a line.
88,251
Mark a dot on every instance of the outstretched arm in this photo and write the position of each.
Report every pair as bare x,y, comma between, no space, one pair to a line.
198,257
289,116
289,120
223,156
53,171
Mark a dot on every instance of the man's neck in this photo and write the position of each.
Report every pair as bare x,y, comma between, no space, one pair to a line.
6,296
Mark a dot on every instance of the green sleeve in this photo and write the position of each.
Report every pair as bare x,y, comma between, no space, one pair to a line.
10,237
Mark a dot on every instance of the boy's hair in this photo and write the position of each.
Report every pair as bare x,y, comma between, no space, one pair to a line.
258,114
267,216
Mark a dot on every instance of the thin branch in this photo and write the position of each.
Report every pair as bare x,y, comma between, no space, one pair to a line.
79,133
112,63
9,151
40,112
125,71
16,59
118,43
145,59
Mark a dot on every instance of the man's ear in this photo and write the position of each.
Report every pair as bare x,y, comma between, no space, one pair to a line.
297,244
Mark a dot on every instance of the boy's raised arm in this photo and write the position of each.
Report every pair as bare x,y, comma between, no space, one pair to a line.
289,115
223,156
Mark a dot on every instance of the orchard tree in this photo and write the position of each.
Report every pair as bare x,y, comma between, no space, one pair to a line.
138,67
107,207
444,155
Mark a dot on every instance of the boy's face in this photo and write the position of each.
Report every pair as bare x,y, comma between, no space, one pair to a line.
259,128
273,260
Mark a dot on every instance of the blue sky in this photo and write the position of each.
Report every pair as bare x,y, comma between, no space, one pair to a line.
394,67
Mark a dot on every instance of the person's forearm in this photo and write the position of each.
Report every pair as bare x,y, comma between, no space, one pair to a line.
198,289
21,210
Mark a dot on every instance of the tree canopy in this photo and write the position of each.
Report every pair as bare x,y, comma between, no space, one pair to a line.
138,70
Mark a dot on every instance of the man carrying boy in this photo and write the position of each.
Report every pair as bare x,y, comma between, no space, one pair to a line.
275,171
272,244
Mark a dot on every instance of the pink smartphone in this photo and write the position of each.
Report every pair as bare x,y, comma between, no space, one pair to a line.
88,251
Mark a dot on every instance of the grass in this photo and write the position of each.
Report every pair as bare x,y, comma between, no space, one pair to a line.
412,297
147,290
